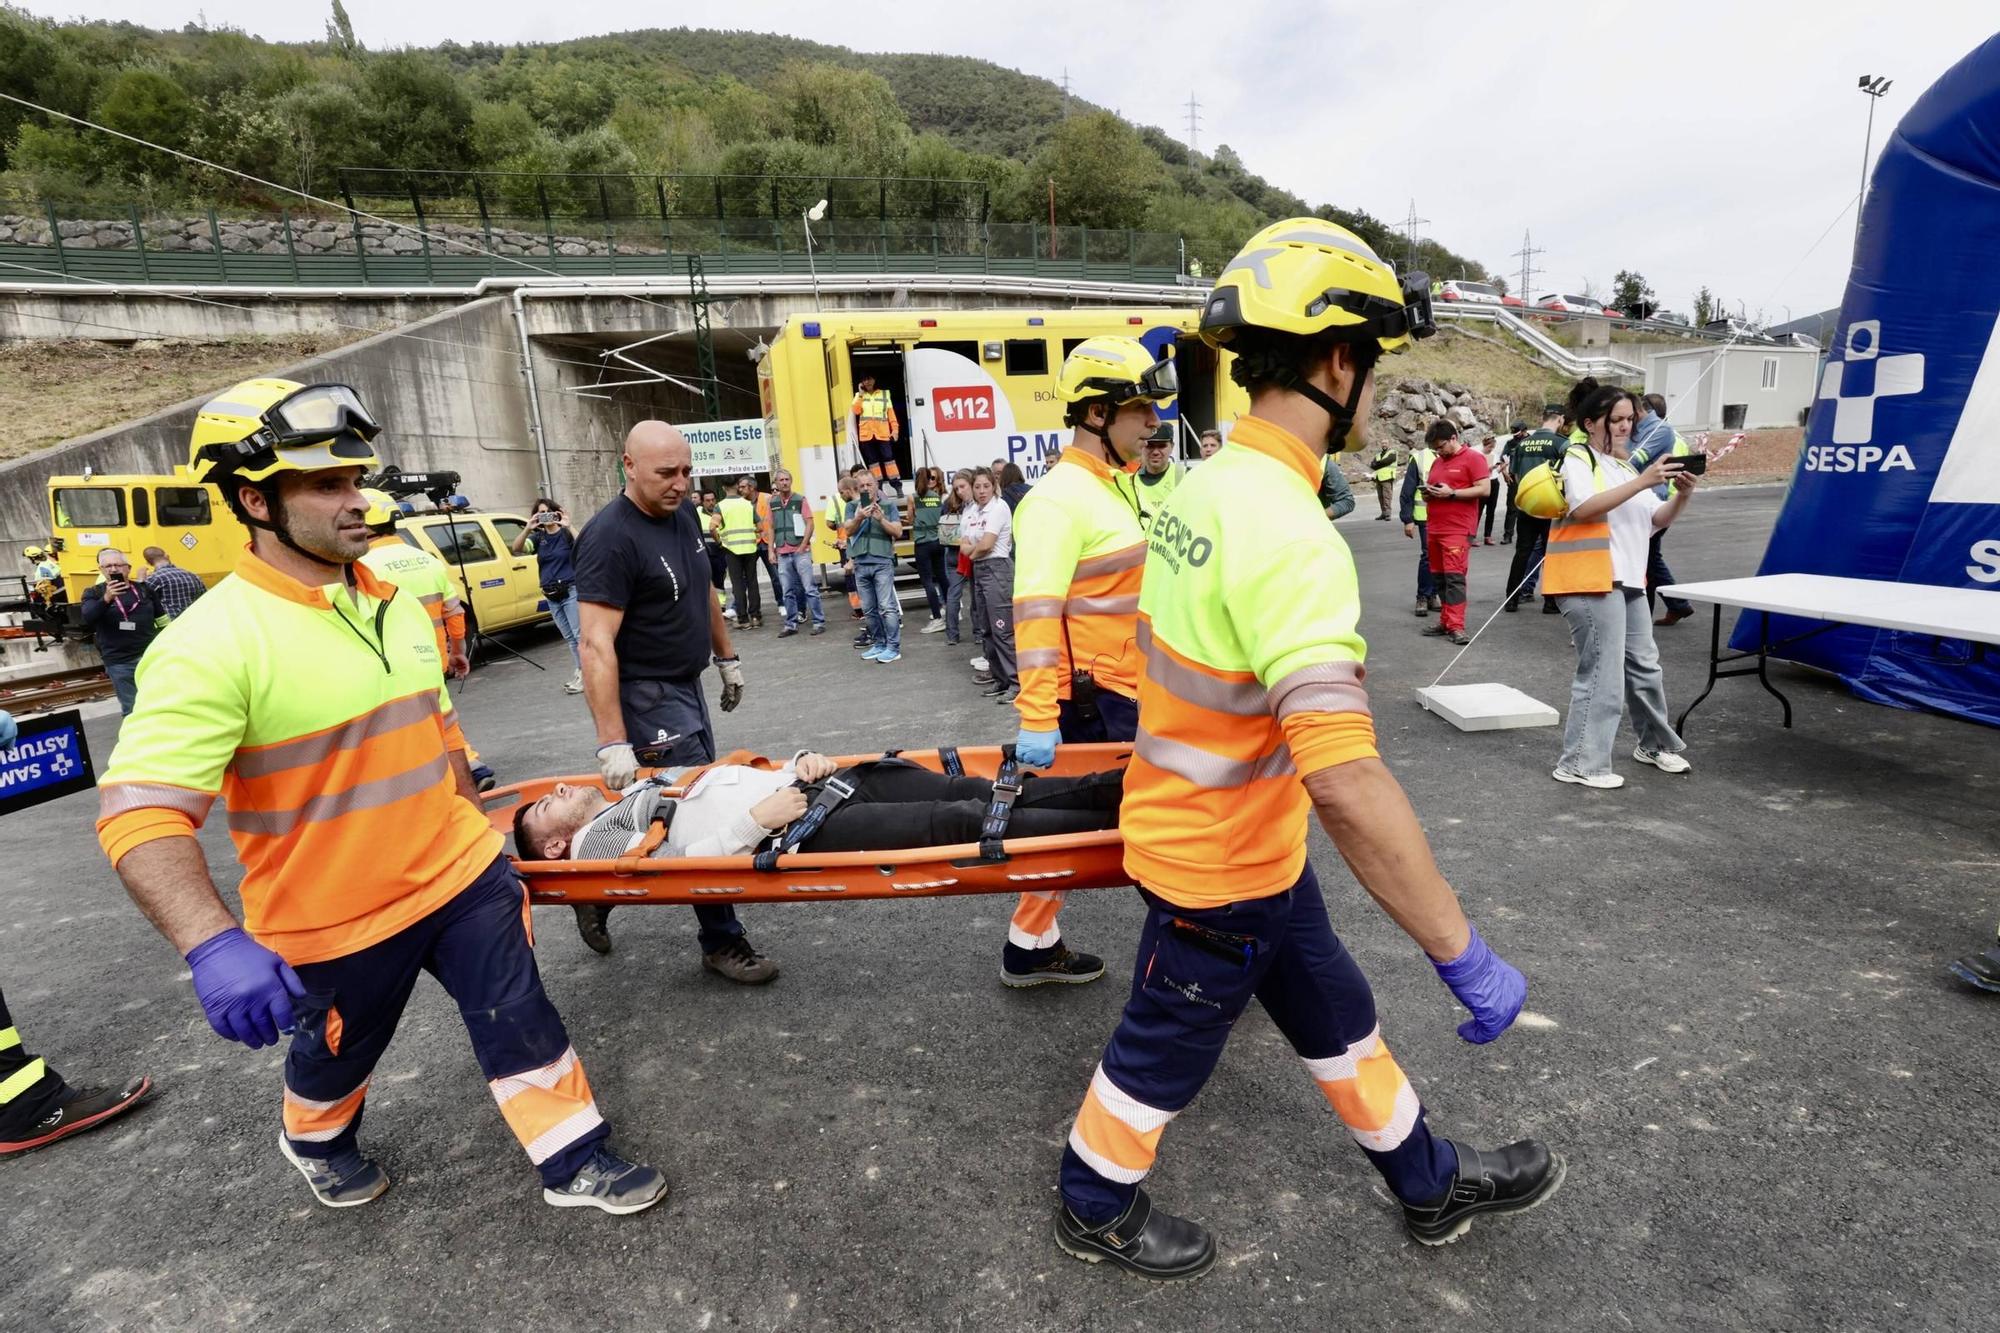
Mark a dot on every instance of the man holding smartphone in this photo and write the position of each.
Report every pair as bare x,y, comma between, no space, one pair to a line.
124,616
1654,438
874,526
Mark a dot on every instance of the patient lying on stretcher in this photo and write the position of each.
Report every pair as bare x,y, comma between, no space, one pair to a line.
734,810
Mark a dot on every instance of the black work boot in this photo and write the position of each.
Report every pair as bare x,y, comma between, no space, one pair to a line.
594,924
1512,1179
1143,1241
1981,969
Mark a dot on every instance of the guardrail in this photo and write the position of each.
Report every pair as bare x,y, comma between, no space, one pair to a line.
1564,358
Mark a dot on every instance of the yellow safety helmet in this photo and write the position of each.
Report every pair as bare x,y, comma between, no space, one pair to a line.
1540,493
1117,368
262,427
34,553
1305,276
383,510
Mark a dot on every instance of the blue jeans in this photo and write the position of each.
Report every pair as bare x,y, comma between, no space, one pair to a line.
1617,671
124,682
1426,587
875,579
954,596
1196,971
569,620
801,588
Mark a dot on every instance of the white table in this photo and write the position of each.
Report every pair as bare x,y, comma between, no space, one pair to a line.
1915,608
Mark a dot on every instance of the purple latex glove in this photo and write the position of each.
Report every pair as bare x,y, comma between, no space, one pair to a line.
244,988
1486,984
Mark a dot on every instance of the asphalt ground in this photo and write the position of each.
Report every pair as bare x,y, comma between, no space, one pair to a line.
1777,1107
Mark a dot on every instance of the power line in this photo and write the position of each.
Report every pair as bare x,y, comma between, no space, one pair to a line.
1193,124
1065,88
1526,254
1410,225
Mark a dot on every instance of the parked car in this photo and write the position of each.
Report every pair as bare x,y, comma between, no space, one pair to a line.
1473,293
1670,317
500,589
1569,305
1731,327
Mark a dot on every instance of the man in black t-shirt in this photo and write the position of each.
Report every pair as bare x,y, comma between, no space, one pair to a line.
650,627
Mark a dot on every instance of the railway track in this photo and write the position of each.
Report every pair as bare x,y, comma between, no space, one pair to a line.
52,690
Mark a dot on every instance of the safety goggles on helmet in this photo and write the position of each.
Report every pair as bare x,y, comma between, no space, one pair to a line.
1158,384
315,426
1383,319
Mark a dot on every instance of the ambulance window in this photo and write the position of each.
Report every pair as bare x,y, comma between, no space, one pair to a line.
1071,344
181,506
141,513
968,350
89,507
1027,356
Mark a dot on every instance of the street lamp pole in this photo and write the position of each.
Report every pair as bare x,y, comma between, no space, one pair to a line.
1874,87
808,217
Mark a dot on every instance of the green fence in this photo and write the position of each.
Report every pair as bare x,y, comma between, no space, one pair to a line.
433,242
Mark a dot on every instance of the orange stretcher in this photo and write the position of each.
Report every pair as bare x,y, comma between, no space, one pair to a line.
1069,861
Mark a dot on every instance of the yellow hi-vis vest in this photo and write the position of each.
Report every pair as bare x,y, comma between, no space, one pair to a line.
877,410
1421,459
739,525
425,577
1252,675
322,721
1078,555
1384,464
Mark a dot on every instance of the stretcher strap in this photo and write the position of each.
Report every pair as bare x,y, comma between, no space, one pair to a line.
832,793
953,766
1006,790
655,835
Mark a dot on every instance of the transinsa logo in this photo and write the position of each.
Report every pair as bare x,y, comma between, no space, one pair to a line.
1862,376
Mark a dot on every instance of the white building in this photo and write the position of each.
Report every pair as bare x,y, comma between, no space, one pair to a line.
1744,386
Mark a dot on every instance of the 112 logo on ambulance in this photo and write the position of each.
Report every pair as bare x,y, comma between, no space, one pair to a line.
963,407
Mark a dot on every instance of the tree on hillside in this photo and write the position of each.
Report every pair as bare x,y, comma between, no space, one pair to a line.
1705,307
1104,176
854,111
145,104
419,117
340,34
1629,291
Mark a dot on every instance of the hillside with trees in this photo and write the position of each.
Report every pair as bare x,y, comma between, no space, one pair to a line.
656,102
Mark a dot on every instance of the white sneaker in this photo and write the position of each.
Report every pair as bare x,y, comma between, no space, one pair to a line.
1666,763
729,614
574,685
935,627
979,664
1601,781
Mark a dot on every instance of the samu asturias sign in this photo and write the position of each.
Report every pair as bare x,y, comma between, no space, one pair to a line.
48,760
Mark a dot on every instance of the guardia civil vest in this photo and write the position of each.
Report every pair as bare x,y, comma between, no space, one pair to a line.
739,525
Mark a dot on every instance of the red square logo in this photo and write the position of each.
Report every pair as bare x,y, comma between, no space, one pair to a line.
967,408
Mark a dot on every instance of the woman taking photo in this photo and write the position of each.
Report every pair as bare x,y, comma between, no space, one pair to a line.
926,512
987,537
1596,570
554,545
957,569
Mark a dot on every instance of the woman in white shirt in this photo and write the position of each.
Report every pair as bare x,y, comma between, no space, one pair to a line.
987,537
1617,664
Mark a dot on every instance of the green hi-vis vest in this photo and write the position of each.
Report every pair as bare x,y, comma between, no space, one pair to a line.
1384,464
739,525
1421,460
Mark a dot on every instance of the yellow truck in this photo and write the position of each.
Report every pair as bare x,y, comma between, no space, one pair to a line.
969,386
189,521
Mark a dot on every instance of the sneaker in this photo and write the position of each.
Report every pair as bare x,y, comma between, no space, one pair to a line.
1008,695
83,1109
1065,969
935,627
1981,969
874,653
483,777
1510,605
1435,603
1142,1240
818,630
740,963
1512,1179
1601,781
345,1180
1661,759
863,643
729,613
983,678
755,622
1437,631
593,922
978,664
788,631
610,1182
889,655
574,685
1423,606
994,688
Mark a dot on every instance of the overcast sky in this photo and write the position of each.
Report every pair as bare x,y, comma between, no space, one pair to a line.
1697,142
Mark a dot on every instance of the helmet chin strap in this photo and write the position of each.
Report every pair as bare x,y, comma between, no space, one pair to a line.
1342,416
277,526
1111,454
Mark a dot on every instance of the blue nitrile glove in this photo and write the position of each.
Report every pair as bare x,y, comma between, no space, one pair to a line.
244,988
1486,984
1037,749
9,733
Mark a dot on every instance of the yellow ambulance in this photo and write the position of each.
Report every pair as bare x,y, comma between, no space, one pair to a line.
969,387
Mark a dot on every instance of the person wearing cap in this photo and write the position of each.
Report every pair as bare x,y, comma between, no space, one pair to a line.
1154,479
1080,546
1252,719
310,696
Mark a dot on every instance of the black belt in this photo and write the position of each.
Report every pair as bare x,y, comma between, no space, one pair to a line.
1006,790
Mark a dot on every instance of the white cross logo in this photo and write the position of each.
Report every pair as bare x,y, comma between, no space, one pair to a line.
1854,415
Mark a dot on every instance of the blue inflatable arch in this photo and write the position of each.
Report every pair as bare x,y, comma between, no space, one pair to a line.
1900,475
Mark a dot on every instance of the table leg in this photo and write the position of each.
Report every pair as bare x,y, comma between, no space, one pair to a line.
1763,660
1714,662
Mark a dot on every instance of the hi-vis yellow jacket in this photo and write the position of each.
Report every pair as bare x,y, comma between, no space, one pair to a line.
877,411
1078,555
323,722
1252,677
425,577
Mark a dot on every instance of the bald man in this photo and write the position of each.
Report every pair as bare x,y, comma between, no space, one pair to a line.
649,629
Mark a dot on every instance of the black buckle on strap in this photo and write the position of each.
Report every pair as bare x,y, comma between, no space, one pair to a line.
1006,790
833,792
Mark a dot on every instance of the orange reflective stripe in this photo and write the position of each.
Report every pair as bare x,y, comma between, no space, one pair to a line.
311,1121
1124,604
332,805
1132,557
548,1108
1117,1135
1578,559
1368,1091
1206,769
1034,925
352,734
1038,659
1237,693
1036,608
